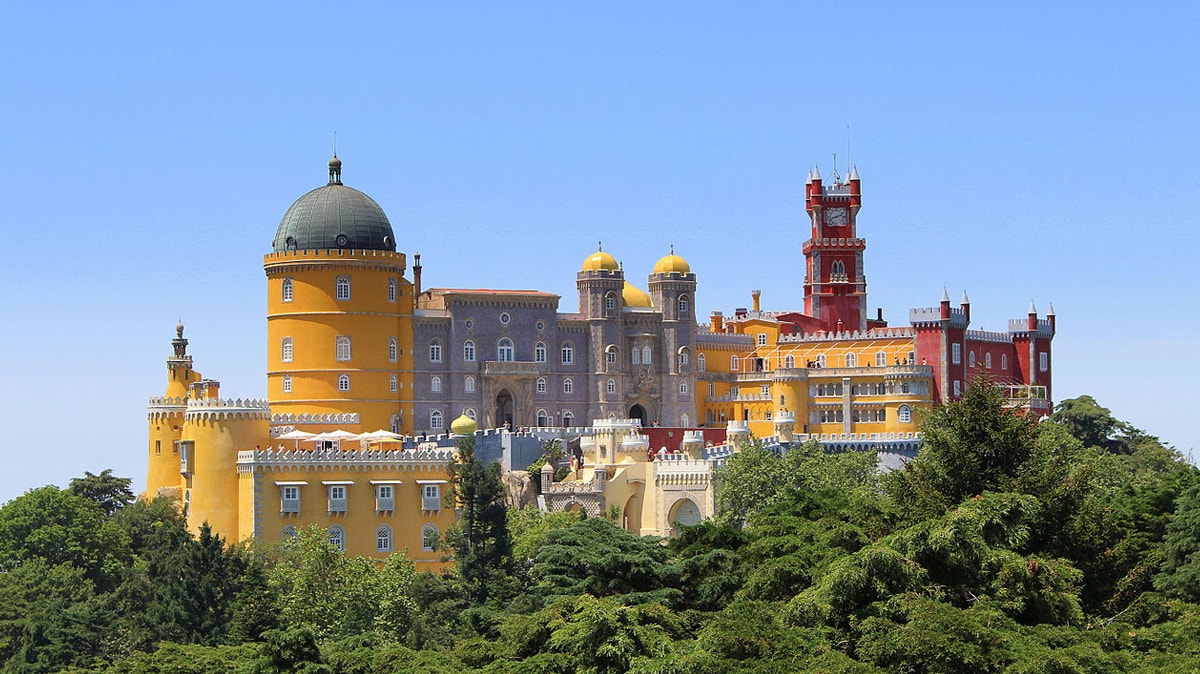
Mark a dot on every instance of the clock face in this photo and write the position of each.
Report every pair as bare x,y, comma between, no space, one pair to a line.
836,216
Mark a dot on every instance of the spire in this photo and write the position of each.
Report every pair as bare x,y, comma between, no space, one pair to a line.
816,173
965,299
335,170
1050,312
854,173
1032,308
179,344
945,295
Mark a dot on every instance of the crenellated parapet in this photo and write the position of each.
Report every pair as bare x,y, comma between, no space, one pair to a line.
1045,327
227,409
166,407
322,460
932,317
344,419
291,260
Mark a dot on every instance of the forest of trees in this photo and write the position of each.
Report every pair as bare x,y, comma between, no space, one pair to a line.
1008,545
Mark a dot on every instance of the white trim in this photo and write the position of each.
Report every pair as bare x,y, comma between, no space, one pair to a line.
386,481
336,482
432,481
281,483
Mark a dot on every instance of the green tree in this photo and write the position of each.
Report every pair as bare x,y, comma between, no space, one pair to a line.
110,492
598,558
1180,574
478,541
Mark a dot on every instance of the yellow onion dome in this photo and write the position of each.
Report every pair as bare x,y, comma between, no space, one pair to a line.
672,264
635,296
600,261
464,425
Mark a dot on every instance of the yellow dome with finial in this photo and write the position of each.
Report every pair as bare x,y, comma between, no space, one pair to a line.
464,425
672,264
635,296
600,261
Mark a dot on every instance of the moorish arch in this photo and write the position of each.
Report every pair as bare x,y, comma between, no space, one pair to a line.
505,409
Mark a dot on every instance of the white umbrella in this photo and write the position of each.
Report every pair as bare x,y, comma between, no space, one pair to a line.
380,436
297,435
338,436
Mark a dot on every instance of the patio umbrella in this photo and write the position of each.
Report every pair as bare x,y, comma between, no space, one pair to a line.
380,436
338,436
297,436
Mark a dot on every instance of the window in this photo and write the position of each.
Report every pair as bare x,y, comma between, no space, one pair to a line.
610,356
469,351
711,388
683,388
880,359
393,349
1044,361
435,385
956,353
539,352
684,356
469,324
344,382
733,363
469,384
905,387
568,385
505,319
470,413
392,384
610,301
610,386
435,420
821,360
912,357
765,391
337,537
971,359
391,290
685,420
987,361
543,419
341,348
851,360
286,350
568,354
568,418
541,326
701,363
636,355
383,538
789,361
429,538
762,339
957,388
504,350
541,385
1004,361
337,498
289,496
645,355
435,352
681,305
287,290
288,533
342,285
431,497
287,383
837,269
385,497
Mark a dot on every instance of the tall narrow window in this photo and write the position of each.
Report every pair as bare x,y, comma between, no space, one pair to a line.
880,359
539,352
342,287
851,360
435,352
789,361
733,363
637,355
342,348
682,305
543,419
610,386
568,418
435,420
762,339
391,290
987,361
337,537
956,353
1044,361
344,382
1004,361
429,538
702,363
684,356
821,360
392,386
287,383
286,350
610,301
287,290
469,351
504,350
383,538
469,384
683,387
904,414
645,355
541,385
568,354
435,384
971,359
568,385
957,388
393,349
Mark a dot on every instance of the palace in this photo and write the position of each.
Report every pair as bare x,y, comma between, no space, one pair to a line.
366,369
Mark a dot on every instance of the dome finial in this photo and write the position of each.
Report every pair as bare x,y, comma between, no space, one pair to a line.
672,249
335,165
600,246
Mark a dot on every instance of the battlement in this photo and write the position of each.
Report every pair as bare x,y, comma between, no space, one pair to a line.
348,418
168,401
227,409
989,336
844,335
334,253
1021,325
262,460
933,316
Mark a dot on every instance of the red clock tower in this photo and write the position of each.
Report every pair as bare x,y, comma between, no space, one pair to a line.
835,287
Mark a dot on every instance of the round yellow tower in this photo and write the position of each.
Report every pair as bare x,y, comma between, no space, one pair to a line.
164,417
339,313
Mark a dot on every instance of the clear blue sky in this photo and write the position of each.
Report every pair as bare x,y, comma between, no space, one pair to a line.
1019,151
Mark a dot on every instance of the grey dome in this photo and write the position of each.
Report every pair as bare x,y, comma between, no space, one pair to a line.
334,216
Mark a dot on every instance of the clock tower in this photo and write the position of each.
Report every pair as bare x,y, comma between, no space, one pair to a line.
835,287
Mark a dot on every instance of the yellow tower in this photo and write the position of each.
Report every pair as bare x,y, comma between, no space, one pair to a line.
339,314
165,418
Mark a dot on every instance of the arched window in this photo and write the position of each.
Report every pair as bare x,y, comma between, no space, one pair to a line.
645,355
286,350
539,352
685,420
762,339
469,351
568,354
470,413
683,388
541,385
987,360
543,419
429,538
343,382
684,356
435,420
504,350
610,354
337,537
435,385
851,360
341,348
287,383
568,418
288,533
393,349
904,414
383,538
610,302
912,357
880,359
610,386
733,363
637,355
568,385
838,268
681,305
701,363
1004,361
287,290
342,285
469,384
971,359
789,361
391,290
392,386
821,360
435,352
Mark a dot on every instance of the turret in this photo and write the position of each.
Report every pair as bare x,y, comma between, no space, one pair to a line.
965,305
945,305
1033,319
